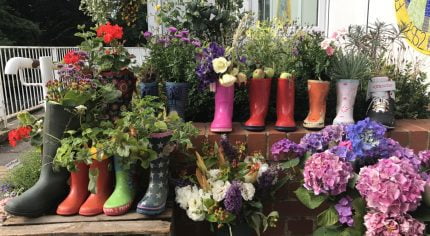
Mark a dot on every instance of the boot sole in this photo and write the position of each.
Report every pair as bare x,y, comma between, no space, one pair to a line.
151,211
221,130
29,214
117,211
285,129
254,128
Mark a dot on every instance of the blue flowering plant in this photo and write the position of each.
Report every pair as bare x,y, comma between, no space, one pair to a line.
364,178
228,187
172,56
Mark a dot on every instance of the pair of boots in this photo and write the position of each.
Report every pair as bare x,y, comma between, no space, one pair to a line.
259,95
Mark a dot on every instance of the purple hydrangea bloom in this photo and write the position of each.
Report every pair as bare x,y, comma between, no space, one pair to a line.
378,223
320,141
364,136
344,210
233,198
343,152
424,157
286,146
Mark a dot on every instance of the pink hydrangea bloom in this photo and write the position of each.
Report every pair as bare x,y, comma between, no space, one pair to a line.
327,173
378,223
391,186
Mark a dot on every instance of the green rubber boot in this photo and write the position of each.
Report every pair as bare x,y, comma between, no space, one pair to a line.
52,187
122,197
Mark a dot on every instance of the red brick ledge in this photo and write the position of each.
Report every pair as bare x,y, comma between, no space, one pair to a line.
409,133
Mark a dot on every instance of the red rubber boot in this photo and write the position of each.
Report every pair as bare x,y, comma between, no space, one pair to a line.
259,93
78,191
285,105
94,204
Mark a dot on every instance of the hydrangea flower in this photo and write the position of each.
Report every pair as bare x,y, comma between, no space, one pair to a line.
344,210
327,173
343,152
424,157
286,146
364,136
378,223
320,141
391,186
233,198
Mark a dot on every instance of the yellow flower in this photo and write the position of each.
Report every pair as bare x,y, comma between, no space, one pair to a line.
158,7
220,65
97,155
227,80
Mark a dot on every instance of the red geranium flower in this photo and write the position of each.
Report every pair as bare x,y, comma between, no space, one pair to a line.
109,32
71,57
17,134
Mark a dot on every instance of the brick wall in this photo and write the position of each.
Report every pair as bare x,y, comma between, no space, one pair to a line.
295,219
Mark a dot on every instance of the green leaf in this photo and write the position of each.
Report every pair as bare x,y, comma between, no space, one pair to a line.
309,199
255,223
74,98
327,231
328,217
353,180
291,163
211,218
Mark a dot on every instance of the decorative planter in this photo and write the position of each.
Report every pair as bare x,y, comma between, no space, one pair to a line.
285,105
318,91
346,93
259,94
380,93
150,89
224,98
177,97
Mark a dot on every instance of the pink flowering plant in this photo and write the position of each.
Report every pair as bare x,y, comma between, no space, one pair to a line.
370,184
227,188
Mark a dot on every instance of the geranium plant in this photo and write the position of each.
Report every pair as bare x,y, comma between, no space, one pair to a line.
227,188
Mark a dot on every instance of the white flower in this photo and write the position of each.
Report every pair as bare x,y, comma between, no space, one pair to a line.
219,188
325,43
247,190
81,109
263,168
214,174
196,211
227,80
183,195
220,65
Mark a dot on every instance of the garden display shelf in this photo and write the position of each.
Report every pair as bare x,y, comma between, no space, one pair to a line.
129,224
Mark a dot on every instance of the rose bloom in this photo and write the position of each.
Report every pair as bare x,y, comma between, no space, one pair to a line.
227,80
329,51
220,65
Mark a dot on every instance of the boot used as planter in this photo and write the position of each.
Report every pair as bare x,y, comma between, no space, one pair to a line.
318,91
285,105
346,93
122,197
52,187
259,93
177,97
154,200
94,203
78,191
380,94
148,89
224,98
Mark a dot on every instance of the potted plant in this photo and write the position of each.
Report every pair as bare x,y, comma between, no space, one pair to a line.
348,69
173,56
376,43
148,84
227,189
314,54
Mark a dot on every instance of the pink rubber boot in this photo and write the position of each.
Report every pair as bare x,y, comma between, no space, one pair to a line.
224,97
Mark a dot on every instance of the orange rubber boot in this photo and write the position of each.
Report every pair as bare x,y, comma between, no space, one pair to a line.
285,105
318,91
78,191
94,204
259,93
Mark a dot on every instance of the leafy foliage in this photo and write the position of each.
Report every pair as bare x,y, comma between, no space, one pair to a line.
349,65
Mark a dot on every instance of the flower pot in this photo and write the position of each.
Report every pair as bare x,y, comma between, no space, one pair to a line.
346,92
224,98
124,81
318,91
177,97
259,94
241,229
148,89
285,105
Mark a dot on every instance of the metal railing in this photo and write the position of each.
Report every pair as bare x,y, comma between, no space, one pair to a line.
14,97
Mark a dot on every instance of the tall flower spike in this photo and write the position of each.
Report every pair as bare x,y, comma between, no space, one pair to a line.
202,180
201,164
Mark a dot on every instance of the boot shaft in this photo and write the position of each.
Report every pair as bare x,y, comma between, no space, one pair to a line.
104,177
318,91
259,94
177,97
148,89
285,96
224,94
346,92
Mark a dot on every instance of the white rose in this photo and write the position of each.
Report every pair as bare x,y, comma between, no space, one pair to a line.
220,65
219,188
227,80
247,190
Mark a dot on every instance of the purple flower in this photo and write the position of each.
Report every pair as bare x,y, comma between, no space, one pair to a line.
320,141
242,59
147,34
364,136
344,210
392,186
229,150
233,198
343,152
187,40
326,173
378,223
196,43
184,33
287,147
172,29
204,69
267,179
424,157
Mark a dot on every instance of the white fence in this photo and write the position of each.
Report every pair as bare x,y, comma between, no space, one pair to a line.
14,97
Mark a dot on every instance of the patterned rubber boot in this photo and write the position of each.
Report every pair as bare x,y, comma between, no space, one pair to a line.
346,93
122,197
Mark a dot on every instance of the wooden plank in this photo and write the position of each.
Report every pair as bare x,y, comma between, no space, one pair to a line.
53,219
153,227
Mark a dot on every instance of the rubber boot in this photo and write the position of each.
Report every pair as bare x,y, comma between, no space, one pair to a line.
259,93
177,97
224,98
78,191
346,93
285,106
318,91
148,89
52,187
94,203
123,195
154,200
380,94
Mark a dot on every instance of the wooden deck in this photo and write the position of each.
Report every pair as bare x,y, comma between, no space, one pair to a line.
128,224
